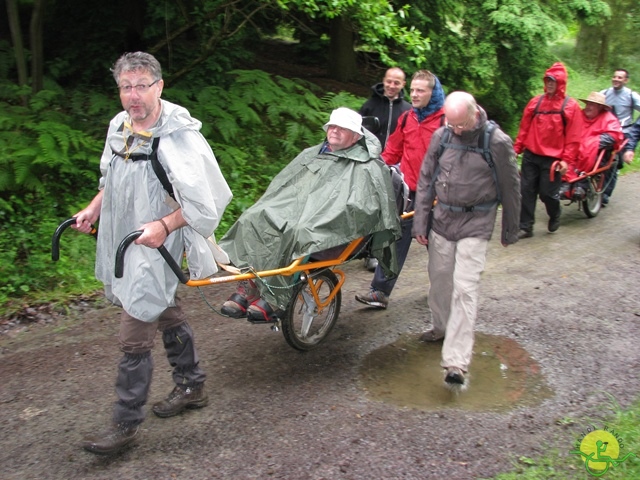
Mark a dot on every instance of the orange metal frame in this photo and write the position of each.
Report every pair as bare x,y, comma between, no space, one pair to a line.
297,266
596,167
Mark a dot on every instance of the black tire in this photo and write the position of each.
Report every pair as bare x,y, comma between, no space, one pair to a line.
593,201
302,326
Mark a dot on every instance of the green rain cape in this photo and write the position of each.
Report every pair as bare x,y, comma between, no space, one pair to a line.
318,201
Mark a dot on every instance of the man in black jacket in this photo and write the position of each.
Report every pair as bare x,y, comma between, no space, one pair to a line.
387,103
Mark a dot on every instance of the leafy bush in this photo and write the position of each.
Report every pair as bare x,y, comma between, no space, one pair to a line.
26,269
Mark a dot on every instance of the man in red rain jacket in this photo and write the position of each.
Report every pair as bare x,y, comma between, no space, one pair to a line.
407,146
549,131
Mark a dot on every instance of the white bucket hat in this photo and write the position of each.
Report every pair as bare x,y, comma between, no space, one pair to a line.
345,118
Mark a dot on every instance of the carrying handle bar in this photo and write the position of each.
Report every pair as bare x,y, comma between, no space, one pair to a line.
124,244
55,240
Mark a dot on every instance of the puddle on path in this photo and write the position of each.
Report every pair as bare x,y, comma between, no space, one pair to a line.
407,373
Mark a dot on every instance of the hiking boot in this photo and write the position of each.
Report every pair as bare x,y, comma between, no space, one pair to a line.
113,439
431,336
237,304
454,376
525,233
553,225
261,312
181,398
370,263
375,298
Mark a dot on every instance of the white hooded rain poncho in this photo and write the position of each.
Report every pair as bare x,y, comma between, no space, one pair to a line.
133,196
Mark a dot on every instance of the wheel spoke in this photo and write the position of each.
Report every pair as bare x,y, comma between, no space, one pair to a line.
308,308
305,325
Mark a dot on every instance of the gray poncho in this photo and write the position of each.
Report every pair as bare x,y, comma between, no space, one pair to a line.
133,196
318,201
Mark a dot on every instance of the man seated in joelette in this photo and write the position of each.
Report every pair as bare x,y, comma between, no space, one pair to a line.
600,130
329,195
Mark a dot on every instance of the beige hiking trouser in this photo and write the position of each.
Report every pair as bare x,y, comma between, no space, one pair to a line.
454,273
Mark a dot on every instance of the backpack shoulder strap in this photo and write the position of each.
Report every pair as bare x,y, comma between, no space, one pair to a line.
159,170
485,144
564,104
535,110
444,141
155,163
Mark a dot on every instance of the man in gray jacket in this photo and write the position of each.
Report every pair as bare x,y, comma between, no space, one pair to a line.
467,191
623,102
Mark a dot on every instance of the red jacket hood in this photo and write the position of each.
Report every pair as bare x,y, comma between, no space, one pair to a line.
559,73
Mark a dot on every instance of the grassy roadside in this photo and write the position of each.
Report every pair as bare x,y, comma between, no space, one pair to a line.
563,464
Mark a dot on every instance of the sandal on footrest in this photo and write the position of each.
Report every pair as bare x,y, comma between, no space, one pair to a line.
261,312
235,306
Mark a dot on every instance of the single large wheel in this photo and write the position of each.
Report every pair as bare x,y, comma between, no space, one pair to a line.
593,201
303,326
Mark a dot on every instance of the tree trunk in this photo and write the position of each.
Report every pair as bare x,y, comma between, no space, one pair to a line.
592,44
342,57
603,53
16,38
37,50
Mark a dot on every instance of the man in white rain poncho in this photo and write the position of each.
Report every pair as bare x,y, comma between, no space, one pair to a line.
132,197
328,195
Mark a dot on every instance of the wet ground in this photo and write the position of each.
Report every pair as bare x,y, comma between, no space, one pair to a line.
558,318
504,376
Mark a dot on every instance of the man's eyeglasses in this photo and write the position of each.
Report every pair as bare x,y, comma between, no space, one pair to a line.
142,88
462,126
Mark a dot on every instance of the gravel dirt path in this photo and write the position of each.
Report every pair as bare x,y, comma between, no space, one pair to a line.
569,299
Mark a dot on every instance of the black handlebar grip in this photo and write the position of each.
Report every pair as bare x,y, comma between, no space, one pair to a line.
55,240
163,251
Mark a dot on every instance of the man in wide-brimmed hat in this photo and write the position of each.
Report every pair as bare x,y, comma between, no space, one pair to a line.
600,130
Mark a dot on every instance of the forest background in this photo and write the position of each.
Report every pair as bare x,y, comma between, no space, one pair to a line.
263,77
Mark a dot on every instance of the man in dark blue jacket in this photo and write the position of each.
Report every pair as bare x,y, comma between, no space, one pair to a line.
633,136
